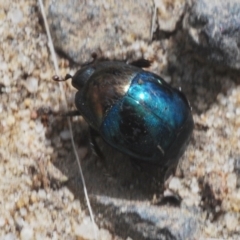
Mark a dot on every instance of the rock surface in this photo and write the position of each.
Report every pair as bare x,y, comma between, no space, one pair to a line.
213,27
102,26
143,221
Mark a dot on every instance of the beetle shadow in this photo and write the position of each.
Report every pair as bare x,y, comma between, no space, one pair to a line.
116,176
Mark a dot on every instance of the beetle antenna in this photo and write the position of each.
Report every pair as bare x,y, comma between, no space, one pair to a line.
57,78
60,79
68,76
94,59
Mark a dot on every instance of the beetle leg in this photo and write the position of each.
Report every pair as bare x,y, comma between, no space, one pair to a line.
92,136
71,114
141,63
170,172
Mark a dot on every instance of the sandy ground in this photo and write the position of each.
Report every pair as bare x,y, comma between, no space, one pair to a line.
41,193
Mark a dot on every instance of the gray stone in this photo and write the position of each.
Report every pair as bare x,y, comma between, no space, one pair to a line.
214,30
169,13
80,28
139,220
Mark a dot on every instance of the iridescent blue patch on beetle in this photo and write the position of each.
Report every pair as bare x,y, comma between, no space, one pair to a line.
147,120
167,103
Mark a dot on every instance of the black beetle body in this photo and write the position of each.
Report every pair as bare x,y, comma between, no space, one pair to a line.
134,111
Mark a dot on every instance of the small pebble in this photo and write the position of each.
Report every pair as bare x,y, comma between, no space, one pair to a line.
15,15
42,194
31,84
9,236
231,221
175,184
23,212
85,230
65,135
2,221
10,120
27,102
231,181
194,186
27,233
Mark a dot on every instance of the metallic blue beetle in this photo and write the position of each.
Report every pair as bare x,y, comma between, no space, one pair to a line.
134,111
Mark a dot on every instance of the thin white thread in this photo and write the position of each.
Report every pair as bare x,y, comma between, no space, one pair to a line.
55,62
153,21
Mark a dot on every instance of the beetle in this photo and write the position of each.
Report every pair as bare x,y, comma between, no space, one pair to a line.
133,110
